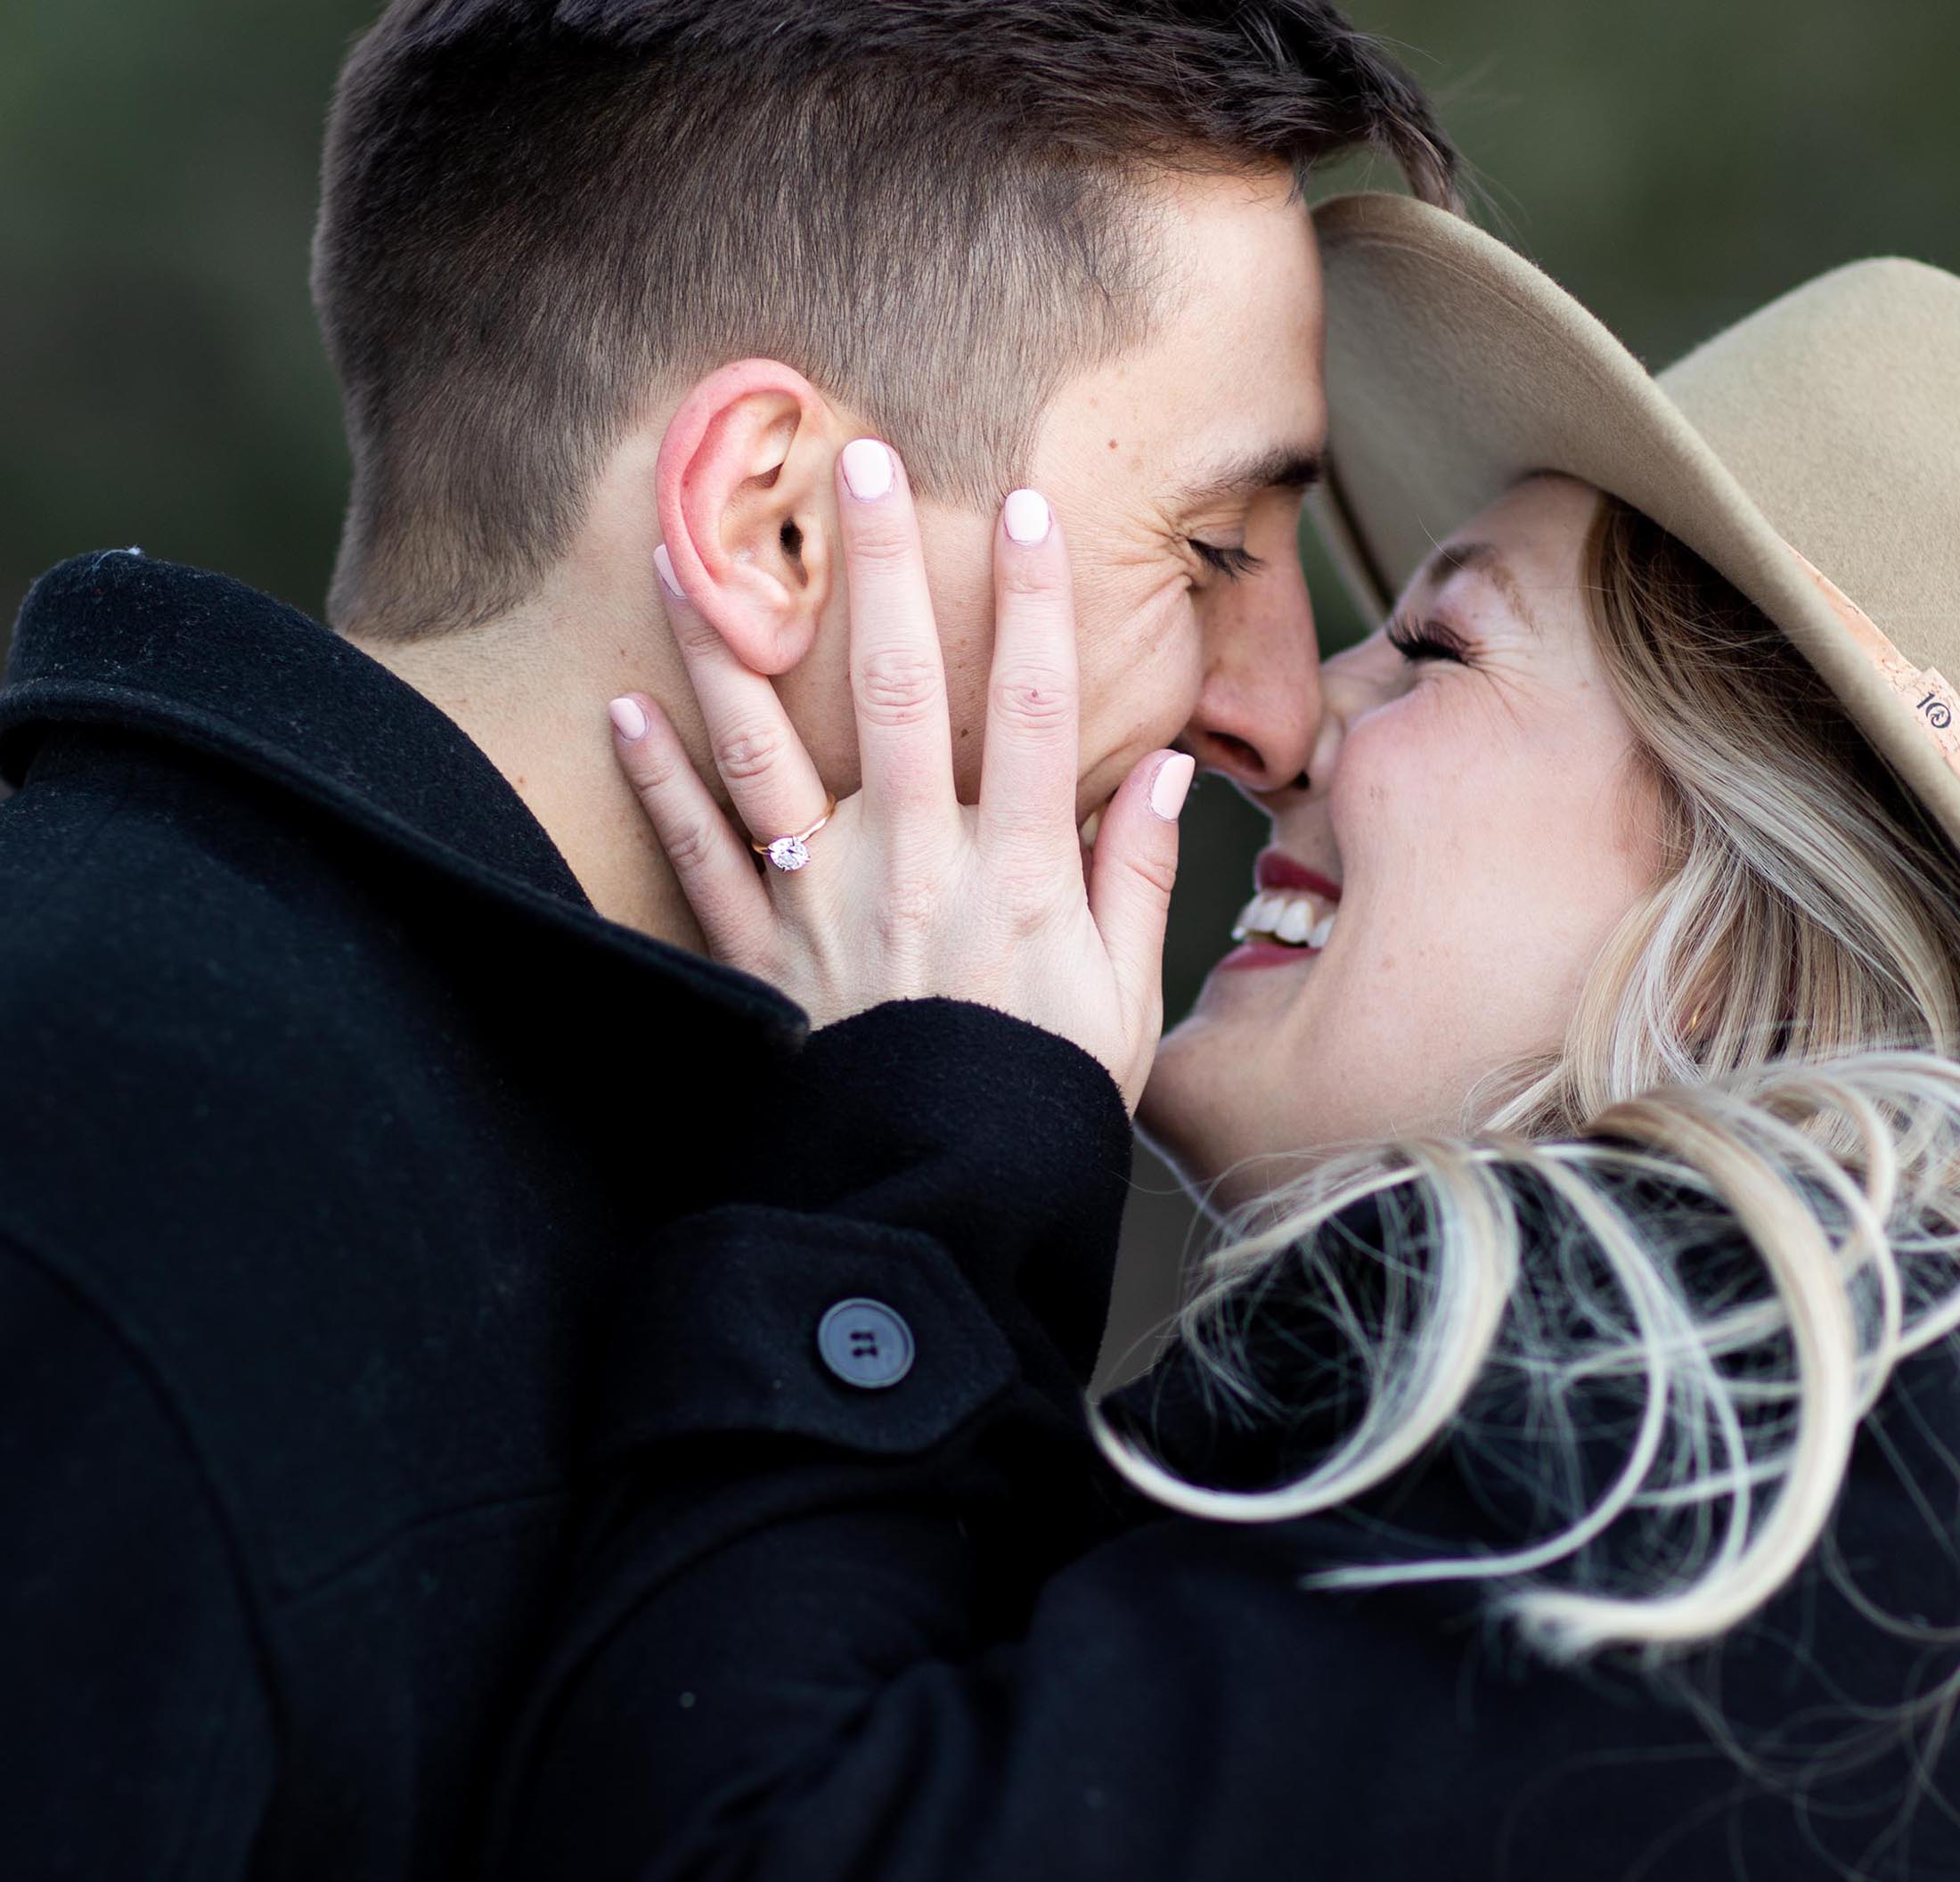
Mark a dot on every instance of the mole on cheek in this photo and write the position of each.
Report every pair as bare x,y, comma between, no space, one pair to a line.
1112,444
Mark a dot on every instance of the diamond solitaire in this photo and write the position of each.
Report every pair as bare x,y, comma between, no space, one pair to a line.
790,852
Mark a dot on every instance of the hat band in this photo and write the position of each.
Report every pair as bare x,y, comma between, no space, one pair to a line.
1935,703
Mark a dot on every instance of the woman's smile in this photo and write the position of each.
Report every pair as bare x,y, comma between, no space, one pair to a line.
1469,832
1290,917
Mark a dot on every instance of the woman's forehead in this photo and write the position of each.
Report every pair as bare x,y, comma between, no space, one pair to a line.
1513,544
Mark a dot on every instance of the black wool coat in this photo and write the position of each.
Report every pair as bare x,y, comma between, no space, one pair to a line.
369,1205
840,1695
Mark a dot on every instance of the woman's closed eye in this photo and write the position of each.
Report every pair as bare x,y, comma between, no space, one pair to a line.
1426,641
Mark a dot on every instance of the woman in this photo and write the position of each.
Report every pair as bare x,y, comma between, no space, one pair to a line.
1561,1437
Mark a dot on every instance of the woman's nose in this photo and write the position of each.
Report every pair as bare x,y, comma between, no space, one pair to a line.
1328,734
1350,681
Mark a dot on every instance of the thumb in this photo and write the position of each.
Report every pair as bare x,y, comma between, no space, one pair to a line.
1132,872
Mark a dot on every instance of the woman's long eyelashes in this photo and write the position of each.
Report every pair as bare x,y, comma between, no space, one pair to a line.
1426,641
1230,563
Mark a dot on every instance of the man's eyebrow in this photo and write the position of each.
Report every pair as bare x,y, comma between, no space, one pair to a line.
1286,467
1486,557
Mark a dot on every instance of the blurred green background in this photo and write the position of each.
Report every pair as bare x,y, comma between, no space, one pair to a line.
1674,164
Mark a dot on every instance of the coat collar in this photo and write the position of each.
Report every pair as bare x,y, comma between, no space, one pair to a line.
119,639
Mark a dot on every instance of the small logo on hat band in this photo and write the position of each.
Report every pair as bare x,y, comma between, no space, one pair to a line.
1930,695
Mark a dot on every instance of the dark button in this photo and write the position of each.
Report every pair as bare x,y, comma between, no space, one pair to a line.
865,1344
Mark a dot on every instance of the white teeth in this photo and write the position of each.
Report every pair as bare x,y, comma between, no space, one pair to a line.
1294,922
1286,916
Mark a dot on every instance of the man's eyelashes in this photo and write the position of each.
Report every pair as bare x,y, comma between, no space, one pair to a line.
1230,563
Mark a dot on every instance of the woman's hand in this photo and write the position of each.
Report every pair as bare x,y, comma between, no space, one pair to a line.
908,893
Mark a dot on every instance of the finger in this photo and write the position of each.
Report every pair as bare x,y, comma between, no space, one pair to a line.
760,758
898,678
1131,877
713,866
1029,765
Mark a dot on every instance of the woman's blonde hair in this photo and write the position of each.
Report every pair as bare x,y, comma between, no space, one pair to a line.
1763,1048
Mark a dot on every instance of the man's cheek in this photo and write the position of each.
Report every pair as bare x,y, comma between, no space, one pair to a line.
1159,675
967,703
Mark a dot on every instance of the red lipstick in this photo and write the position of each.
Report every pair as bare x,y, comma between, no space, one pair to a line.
1277,870
1265,953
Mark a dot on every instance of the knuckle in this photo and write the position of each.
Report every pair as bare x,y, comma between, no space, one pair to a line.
749,752
898,686
696,634
882,544
688,843
1032,576
1157,874
1026,894
906,913
1024,843
654,772
1035,699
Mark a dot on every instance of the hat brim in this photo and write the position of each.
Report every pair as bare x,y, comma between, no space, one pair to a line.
1455,368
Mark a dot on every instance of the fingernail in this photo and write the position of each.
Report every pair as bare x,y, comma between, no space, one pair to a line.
1171,785
664,563
868,470
1027,517
628,720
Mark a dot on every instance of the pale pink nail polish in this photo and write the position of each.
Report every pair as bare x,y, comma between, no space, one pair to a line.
664,563
1027,517
868,470
628,720
1171,785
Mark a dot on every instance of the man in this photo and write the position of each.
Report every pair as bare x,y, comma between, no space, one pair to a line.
366,1083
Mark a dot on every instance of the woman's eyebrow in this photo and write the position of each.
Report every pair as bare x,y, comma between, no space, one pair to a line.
1488,559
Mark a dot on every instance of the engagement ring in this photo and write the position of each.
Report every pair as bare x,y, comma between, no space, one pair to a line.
791,853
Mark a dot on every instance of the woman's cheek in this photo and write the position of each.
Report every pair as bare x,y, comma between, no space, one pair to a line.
1384,791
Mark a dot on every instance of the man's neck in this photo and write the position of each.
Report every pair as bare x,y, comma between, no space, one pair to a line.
532,691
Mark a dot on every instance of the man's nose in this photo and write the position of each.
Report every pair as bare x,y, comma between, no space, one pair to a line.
1259,706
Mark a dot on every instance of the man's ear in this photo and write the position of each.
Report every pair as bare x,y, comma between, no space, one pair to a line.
748,510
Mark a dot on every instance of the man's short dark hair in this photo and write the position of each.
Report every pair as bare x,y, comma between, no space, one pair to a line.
537,212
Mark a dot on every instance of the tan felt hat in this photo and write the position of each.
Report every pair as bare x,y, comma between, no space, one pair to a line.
1820,434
